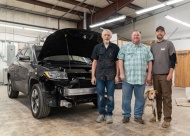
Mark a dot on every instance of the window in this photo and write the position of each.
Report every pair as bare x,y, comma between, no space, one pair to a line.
28,53
37,50
21,53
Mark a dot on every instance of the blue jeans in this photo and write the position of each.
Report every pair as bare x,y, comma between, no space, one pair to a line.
127,91
102,102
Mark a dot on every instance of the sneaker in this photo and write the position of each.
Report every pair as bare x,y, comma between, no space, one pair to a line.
139,120
100,118
165,124
125,119
109,119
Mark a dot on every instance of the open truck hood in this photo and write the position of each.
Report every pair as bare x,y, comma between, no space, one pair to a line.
70,41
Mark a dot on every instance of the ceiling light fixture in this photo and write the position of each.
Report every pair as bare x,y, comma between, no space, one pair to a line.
11,26
97,24
38,30
158,6
150,9
173,2
108,21
177,21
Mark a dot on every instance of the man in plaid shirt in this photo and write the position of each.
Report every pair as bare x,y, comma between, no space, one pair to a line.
133,60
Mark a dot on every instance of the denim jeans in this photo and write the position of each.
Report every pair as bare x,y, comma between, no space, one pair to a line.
102,102
127,91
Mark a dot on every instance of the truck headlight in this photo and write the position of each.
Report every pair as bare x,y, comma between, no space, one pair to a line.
56,75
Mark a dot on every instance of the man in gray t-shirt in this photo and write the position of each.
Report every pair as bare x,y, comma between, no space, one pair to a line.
163,66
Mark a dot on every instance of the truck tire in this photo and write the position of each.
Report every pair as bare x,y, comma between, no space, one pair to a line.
11,93
38,106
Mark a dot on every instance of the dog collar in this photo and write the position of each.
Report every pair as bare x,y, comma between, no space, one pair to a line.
150,99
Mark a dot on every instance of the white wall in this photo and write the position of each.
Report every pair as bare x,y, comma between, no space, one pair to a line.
148,26
26,18
183,44
25,36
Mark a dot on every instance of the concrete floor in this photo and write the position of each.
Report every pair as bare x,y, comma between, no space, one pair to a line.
16,120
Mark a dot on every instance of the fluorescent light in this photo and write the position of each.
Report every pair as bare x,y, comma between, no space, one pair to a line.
150,9
158,6
173,2
98,24
115,19
177,21
108,21
17,27
12,25
173,19
38,30
186,24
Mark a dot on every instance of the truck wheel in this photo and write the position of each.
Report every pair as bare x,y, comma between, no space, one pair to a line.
11,93
38,106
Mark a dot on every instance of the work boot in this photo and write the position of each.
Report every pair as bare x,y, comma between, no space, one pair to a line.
139,120
165,124
125,119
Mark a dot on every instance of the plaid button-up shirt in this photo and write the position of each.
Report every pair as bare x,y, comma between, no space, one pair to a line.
135,62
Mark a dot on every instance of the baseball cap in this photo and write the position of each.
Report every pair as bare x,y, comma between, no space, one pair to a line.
160,28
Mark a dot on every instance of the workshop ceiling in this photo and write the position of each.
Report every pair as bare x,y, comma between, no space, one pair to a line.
97,10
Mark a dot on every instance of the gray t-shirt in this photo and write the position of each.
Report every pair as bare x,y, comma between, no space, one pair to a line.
161,52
